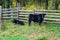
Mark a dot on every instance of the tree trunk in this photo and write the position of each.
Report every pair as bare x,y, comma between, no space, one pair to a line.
56,6
46,4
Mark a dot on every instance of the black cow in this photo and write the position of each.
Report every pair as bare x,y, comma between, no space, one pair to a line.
18,22
36,18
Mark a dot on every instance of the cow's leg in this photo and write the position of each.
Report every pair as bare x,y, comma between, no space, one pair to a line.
39,19
39,22
29,20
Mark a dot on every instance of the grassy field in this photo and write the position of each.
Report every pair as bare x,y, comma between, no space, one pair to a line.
46,31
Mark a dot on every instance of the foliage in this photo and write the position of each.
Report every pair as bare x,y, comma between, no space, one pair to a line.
30,7
35,6
23,3
14,4
58,1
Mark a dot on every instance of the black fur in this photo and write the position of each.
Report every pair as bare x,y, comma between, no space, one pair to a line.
18,22
36,18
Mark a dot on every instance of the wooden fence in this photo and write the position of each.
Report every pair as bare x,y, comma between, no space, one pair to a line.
52,16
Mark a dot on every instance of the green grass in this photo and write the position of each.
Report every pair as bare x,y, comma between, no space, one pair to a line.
13,37
19,32
41,38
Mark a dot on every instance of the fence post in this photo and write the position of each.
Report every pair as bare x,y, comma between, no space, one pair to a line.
0,17
11,12
18,7
18,13
34,11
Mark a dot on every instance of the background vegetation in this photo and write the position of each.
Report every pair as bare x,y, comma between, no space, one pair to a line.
42,4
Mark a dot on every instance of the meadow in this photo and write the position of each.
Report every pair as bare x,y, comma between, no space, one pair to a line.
45,31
